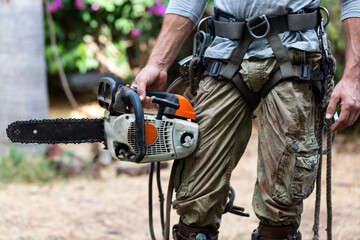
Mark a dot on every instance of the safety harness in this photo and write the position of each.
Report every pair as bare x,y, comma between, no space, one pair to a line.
227,26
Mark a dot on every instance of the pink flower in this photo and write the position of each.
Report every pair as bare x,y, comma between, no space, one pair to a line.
55,6
79,5
135,33
58,3
95,7
158,10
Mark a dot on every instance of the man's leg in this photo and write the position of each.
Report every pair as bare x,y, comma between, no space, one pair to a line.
202,180
288,157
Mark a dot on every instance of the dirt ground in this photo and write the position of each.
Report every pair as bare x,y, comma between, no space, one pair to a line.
116,207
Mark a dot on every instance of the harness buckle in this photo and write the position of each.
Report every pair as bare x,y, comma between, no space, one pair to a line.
256,24
305,72
215,68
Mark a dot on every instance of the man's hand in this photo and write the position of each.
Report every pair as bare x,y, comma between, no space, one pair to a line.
347,95
347,91
153,77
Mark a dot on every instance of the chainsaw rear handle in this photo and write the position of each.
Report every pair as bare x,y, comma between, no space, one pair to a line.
163,99
171,105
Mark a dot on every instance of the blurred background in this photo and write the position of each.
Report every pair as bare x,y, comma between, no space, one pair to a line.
52,54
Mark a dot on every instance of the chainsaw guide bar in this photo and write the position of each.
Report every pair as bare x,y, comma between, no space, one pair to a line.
56,131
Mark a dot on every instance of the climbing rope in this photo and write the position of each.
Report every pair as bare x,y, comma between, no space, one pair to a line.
321,127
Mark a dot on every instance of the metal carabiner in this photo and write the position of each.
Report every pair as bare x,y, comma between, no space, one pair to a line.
324,40
200,42
201,22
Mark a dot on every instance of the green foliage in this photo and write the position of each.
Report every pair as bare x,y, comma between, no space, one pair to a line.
18,167
86,27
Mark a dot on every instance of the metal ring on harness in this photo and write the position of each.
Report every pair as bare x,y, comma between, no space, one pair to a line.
327,15
257,22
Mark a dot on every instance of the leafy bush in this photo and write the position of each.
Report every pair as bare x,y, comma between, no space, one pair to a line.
99,34
18,167
54,164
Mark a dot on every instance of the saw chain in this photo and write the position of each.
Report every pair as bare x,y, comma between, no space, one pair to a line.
55,131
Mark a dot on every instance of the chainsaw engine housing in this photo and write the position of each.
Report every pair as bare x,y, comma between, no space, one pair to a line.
166,139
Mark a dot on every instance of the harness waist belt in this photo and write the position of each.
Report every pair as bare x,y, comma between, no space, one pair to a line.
233,29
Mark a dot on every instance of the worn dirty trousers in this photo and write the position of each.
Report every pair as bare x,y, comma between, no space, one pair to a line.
287,147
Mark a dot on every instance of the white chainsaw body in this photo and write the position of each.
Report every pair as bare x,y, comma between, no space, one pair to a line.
176,138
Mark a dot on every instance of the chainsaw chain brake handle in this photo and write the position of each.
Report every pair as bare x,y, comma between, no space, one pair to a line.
106,94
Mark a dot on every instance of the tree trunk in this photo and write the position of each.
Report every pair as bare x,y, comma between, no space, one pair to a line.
23,84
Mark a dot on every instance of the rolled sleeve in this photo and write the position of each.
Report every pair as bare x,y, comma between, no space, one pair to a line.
349,9
190,9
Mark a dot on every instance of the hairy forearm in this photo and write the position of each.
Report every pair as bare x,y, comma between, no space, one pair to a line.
352,49
174,32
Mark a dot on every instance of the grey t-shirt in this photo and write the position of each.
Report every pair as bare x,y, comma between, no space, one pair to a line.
222,48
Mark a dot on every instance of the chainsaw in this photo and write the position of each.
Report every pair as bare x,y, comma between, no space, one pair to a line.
129,136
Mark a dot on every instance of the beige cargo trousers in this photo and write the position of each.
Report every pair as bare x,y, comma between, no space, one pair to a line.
287,147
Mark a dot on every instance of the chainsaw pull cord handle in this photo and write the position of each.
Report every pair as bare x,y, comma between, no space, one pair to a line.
127,94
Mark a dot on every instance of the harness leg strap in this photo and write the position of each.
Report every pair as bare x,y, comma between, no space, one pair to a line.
281,55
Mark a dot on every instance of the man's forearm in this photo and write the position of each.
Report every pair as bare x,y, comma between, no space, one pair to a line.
352,49
174,32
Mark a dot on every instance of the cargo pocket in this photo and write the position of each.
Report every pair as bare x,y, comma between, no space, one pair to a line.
297,170
304,176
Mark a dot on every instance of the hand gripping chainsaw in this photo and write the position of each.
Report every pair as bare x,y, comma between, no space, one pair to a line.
135,137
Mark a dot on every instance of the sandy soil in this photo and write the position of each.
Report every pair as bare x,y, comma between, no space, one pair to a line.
116,207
